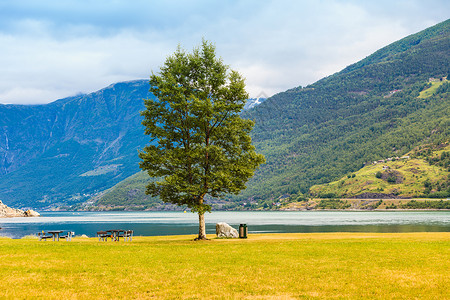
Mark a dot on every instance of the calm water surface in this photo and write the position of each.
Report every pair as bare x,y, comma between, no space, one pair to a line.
174,223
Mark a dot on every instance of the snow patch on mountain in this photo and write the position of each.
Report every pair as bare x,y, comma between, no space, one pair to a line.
252,102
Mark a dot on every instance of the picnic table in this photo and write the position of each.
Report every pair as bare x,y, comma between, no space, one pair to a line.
55,234
115,234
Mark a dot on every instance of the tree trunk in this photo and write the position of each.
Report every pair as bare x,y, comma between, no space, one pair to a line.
201,227
201,221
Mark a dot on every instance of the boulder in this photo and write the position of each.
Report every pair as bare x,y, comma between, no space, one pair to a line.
8,212
225,230
32,213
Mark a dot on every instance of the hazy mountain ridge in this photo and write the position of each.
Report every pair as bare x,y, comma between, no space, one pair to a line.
29,130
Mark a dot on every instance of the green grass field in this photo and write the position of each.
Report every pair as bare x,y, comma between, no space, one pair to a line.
273,266
431,90
413,172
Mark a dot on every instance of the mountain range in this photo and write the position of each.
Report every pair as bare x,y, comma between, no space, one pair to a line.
69,150
65,151
73,150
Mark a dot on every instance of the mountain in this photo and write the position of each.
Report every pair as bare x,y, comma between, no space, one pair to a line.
253,102
385,105
382,106
369,111
67,151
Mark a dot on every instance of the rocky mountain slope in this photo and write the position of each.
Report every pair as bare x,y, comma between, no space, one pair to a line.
70,149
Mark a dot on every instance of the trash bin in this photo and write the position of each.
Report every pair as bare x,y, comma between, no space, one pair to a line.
243,230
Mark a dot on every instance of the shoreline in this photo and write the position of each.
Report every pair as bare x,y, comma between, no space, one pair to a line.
356,204
257,236
254,210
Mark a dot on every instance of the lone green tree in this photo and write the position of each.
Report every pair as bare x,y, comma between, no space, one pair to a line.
199,144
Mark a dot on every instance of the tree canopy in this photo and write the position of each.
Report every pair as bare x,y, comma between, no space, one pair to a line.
199,143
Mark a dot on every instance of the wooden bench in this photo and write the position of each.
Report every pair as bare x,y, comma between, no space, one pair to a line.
44,237
68,236
127,235
103,235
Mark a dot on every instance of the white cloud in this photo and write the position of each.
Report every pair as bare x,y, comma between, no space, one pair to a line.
42,69
50,51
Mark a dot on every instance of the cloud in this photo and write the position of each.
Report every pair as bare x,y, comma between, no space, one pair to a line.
54,49
76,65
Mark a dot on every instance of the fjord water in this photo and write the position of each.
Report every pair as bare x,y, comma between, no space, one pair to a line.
177,223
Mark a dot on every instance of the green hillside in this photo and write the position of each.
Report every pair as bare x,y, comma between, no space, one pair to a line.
128,194
371,110
432,87
425,172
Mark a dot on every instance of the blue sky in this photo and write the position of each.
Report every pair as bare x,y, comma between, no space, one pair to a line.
54,49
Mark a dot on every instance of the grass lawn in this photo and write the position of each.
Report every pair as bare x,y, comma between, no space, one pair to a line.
431,90
414,173
310,266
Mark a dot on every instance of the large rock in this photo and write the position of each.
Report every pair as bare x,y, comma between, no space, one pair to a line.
225,230
32,213
8,212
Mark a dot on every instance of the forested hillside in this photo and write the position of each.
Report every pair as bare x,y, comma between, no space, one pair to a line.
368,111
382,106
